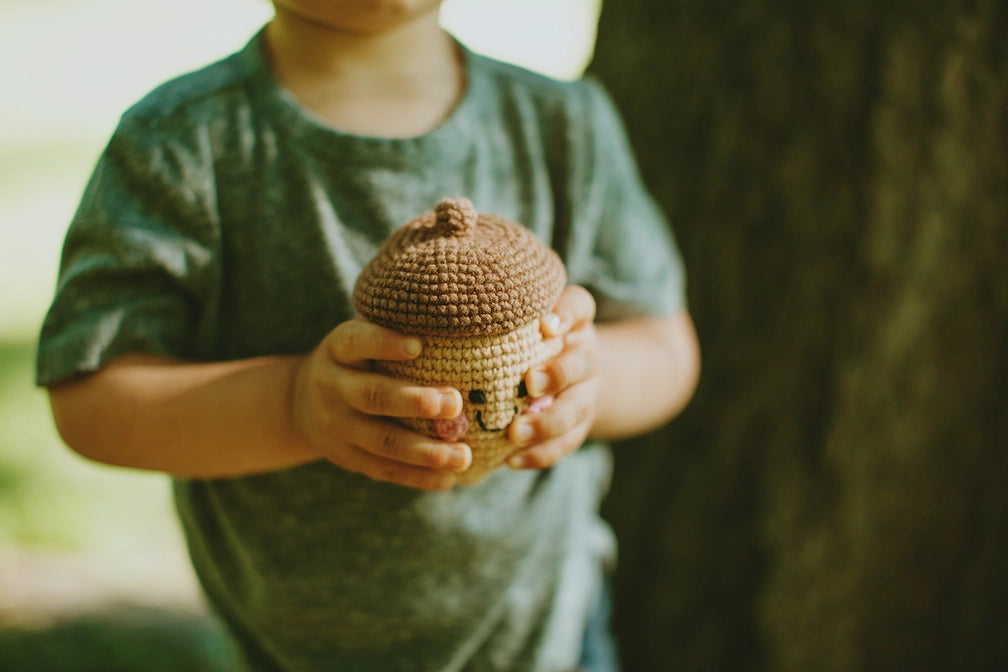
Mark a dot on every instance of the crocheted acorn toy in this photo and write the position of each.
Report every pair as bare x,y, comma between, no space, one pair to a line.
473,287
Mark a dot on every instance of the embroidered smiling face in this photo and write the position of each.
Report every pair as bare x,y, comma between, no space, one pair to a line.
474,287
489,372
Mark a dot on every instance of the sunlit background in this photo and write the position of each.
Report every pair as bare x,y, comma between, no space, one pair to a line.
73,535
70,68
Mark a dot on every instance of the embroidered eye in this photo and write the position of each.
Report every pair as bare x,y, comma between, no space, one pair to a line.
477,396
522,390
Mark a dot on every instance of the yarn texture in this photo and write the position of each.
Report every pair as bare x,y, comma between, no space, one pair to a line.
453,271
473,287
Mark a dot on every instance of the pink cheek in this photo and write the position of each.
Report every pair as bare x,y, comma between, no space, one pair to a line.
539,405
452,430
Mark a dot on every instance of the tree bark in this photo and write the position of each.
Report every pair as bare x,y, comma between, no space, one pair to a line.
836,496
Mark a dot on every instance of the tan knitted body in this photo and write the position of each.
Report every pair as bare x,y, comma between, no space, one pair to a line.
488,371
474,287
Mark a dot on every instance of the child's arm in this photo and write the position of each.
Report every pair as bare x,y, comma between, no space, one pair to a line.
611,381
205,420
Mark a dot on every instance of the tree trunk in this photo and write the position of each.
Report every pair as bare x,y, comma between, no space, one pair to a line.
836,496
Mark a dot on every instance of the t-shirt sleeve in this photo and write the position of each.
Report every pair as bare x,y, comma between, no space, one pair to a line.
635,268
139,259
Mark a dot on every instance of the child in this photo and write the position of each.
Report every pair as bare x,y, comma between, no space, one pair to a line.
202,328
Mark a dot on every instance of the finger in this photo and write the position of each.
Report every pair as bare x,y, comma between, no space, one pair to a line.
585,334
390,471
570,410
378,394
354,341
574,308
390,441
546,454
575,363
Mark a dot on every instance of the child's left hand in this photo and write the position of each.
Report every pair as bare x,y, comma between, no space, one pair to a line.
571,378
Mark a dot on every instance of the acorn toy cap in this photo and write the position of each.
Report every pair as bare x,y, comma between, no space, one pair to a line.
458,272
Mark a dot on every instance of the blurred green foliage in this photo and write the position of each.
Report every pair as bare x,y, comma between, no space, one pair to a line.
50,497
34,507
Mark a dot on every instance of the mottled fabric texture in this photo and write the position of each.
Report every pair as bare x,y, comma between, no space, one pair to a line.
223,222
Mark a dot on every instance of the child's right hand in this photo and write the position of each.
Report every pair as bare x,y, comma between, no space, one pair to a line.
342,408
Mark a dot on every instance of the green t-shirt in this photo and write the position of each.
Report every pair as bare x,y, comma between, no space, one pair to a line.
223,222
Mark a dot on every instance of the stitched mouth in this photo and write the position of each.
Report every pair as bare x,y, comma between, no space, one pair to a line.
479,421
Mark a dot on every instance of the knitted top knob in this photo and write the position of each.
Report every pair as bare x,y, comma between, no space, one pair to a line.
458,272
455,217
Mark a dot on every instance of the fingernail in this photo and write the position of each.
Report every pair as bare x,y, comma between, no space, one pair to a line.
552,322
538,383
521,434
517,461
451,404
461,458
412,347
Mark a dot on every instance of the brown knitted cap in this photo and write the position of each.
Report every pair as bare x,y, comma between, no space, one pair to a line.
454,271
